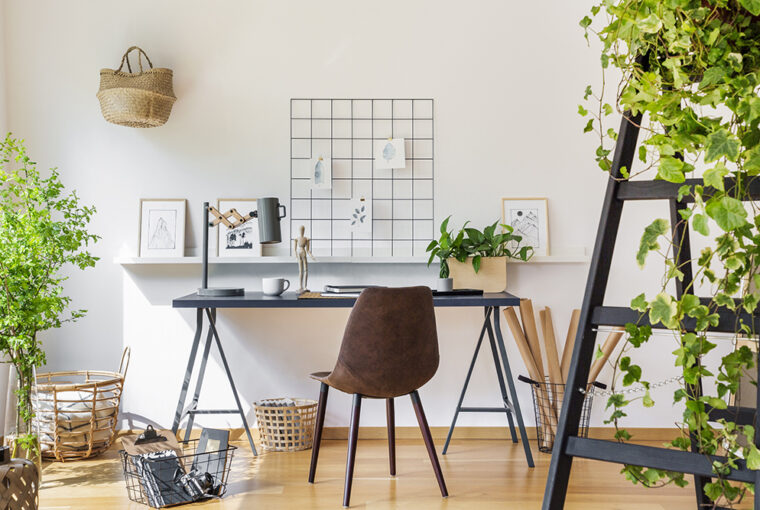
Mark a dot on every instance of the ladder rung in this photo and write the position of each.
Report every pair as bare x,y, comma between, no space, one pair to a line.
664,190
652,457
622,315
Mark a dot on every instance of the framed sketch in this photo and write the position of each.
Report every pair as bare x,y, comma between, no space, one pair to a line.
530,219
243,240
390,153
162,227
320,173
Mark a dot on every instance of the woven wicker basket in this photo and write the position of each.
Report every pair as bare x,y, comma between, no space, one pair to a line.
139,100
286,428
76,412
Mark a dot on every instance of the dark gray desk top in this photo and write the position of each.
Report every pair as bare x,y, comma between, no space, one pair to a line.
290,300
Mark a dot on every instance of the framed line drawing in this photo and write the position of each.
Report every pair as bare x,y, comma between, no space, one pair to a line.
530,219
243,240
162,227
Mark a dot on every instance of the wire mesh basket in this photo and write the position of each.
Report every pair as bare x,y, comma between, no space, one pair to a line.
172,477
547,404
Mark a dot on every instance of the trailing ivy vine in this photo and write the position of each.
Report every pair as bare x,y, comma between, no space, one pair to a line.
691,69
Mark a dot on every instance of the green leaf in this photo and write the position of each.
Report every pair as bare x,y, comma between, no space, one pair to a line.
647,400
639,303
728,212
671,170
663,309
650,25
649,239
721,144
714,176
699,222
753,457
753,6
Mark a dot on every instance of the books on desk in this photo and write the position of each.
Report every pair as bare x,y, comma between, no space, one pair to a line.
347,291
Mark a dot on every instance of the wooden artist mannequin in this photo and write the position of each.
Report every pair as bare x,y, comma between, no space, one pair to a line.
302,246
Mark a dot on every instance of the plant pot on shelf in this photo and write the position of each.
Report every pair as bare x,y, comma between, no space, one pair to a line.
492,276
445,284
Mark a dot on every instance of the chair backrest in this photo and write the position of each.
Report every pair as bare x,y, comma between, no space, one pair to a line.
390,345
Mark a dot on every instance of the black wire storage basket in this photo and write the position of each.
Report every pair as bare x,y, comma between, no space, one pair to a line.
170,478
547,404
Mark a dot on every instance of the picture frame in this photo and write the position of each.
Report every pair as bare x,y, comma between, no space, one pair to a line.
161,231
530,219
242,241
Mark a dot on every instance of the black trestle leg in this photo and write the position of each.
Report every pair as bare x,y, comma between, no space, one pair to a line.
318,430
428,441
353,437
391,418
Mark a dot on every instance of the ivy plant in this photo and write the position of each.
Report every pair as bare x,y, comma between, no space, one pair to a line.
43,229
691,69
447,246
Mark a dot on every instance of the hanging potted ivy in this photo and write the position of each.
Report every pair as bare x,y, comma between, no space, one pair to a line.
690,69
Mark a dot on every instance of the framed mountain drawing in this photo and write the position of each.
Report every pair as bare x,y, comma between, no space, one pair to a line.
162,227
530,219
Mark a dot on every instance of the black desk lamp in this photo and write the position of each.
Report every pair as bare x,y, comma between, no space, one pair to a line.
268,216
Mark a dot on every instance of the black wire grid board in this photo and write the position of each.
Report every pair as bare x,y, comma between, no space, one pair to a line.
401,199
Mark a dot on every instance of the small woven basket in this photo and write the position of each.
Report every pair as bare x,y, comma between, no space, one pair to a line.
19,485
76,412
287,428
140,100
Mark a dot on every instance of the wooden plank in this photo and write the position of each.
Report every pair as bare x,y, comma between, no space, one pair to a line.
653,457
663,190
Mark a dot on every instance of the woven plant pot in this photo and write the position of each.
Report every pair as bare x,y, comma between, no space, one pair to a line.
76,412
142,99
286,428
19,485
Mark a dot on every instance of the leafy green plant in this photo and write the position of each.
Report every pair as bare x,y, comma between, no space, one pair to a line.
692,69
491,243
42,230
446,247
474,244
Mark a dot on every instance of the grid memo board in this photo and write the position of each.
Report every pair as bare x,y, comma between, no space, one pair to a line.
401,199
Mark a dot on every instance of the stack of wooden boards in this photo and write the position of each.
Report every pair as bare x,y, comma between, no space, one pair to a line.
545,366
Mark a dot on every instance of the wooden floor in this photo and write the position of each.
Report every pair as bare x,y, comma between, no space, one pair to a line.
480,474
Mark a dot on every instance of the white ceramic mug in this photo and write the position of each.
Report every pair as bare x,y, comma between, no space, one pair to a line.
274,286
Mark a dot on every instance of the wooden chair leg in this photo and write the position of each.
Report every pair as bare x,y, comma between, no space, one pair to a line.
428,441
353,437
318,430
391,416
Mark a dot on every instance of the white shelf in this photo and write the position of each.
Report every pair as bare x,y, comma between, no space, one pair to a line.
132,261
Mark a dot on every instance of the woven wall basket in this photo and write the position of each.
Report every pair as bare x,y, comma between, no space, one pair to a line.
76,412
139,100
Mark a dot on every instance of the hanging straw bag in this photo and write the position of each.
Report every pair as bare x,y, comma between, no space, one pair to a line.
141,99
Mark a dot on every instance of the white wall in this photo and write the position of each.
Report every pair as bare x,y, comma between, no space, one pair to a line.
506,78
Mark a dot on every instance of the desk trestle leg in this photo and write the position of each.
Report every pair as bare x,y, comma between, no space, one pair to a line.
496,343
192,410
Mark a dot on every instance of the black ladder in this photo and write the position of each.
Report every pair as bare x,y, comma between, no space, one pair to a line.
567,444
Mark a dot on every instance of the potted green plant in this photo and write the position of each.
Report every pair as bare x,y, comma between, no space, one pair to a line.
447,246
481,260
692,70
42,230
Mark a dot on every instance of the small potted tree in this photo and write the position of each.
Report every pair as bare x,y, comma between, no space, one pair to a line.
42,230
446,247
481,260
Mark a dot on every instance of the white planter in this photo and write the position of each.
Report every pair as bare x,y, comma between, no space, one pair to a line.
445,284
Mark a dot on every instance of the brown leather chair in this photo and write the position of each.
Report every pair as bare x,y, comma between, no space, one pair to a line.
389,349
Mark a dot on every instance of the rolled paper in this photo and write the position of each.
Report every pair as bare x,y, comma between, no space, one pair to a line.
567,352
609,345
531,333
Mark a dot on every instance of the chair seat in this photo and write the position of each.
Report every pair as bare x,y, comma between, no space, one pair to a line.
344,382
320,376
